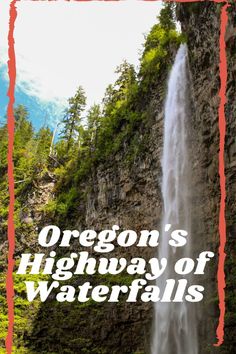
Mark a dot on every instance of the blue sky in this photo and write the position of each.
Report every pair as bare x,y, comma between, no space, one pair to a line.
61,45
41,114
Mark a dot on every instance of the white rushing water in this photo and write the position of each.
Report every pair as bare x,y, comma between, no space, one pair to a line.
174,329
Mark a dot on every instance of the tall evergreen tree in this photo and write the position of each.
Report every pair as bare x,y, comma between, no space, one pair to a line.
167,16
73,117
93,122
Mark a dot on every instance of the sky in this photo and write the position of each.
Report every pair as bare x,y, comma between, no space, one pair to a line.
60,45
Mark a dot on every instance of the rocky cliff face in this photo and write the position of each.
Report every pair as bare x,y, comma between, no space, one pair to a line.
202,28
127,193
119,192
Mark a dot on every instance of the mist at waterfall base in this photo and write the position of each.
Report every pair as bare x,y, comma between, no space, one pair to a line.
175,324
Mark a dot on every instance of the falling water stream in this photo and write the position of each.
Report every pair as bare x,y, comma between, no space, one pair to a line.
174,330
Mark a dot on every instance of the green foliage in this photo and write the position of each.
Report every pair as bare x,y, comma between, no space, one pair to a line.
31,158
120,279
23,128
31,161
156,56
63,204
24,311
3,150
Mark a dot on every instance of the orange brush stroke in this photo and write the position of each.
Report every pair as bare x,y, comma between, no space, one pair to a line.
222,130
10,173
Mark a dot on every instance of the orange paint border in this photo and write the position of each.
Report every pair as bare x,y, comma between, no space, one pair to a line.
10,173
222,132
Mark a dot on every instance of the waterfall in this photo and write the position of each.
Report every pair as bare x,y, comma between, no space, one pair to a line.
174,329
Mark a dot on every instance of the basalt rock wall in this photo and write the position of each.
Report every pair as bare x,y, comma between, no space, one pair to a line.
201,23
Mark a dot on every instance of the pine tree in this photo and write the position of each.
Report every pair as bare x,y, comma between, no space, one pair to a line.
72,119
93,122
167,16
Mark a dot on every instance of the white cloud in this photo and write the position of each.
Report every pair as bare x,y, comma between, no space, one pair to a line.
60,45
